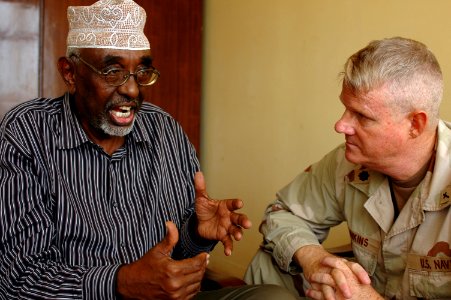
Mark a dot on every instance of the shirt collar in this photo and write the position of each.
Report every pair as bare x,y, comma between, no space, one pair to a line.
71,133
439,187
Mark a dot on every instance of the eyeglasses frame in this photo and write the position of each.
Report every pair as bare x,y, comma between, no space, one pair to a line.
126,78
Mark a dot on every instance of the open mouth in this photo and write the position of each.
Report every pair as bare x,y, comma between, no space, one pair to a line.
122,115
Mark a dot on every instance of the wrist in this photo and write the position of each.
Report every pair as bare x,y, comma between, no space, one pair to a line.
309,255
193,226
120,280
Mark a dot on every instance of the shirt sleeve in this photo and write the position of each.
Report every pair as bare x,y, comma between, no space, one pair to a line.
31,266
305,209
190,243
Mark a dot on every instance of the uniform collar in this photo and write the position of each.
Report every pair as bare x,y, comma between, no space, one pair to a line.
432,194
434,190
439,188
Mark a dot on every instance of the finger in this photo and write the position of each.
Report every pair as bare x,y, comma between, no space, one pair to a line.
314,294
335,262
315,286
322,278
241,220
184,286
169,241
341,282
236,232
233,204
191,265
228,245
340,263
192,290
199,184
328,292
193,281
360,272
339,270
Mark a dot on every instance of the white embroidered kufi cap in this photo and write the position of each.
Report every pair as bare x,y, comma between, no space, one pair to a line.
117,24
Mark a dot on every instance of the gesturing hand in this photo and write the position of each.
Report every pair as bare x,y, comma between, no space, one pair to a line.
217,218
157,276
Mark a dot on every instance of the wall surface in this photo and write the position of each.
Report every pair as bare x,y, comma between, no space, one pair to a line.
271,86
19,29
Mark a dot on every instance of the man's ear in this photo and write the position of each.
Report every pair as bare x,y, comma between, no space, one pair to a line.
67,70
418,123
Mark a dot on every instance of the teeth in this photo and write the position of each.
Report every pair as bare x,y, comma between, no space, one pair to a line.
120,114
123,111
125,108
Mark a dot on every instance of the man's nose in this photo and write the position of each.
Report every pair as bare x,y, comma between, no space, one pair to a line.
130,88
344,125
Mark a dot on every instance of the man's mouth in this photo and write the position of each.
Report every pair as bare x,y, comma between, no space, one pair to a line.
349,142
122,115
122,111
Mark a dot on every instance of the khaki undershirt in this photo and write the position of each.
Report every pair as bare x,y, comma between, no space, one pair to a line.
403,189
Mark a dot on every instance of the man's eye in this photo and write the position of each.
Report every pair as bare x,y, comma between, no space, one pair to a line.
360,116
114,72
144,72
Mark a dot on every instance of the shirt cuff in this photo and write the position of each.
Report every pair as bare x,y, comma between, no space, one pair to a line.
191,243
100,283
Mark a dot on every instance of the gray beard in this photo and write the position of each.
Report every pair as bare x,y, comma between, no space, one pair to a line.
110,129
116,130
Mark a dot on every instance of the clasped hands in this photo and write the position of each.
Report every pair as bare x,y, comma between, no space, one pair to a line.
157,276
332,277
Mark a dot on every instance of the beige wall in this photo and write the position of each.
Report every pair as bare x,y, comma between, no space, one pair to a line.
270,89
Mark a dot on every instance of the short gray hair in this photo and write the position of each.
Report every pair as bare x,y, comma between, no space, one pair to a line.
407,67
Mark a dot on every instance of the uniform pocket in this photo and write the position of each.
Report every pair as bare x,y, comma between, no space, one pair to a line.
365,250
430,285
366,258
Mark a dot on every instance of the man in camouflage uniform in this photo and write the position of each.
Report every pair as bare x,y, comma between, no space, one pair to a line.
390,181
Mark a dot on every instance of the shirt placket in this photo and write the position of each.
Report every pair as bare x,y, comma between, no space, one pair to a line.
116,207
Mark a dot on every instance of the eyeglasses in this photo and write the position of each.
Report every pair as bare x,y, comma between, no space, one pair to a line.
117,77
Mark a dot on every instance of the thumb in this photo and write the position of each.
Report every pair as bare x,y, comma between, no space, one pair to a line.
171,238
199,184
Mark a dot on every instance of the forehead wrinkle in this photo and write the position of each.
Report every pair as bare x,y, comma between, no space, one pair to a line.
359,103
375,109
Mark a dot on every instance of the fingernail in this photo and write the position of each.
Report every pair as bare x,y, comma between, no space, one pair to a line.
208,259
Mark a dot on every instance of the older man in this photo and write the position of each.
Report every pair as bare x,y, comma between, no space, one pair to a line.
100,194
390,181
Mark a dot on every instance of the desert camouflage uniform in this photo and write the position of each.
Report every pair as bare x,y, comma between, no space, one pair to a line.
408,258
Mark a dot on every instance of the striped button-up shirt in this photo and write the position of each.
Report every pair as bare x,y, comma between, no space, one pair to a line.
70,214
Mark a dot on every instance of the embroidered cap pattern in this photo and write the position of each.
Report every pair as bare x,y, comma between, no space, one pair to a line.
116,24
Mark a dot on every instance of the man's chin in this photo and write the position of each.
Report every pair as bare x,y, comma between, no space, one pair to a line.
114,130
351,157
